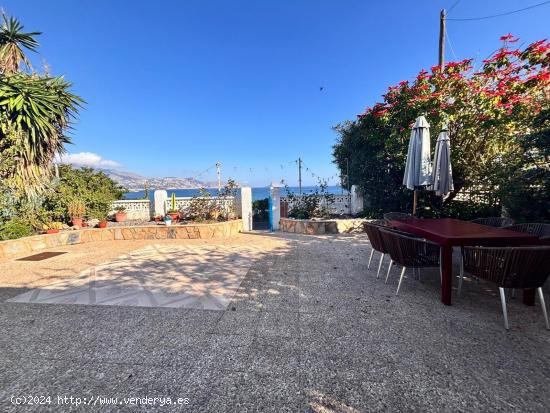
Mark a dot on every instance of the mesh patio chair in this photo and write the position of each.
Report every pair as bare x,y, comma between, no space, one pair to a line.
496,222
372,228
534,228
409,252
396,216
509,267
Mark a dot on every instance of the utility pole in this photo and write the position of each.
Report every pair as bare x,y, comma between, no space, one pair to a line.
442,22
219,173
441,63
300,175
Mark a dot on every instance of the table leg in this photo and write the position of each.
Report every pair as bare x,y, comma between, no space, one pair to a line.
529,296
446,274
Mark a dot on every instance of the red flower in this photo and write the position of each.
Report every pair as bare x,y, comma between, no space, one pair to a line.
509,38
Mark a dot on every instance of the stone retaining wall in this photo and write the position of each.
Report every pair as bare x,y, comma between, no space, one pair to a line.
314,227
29,245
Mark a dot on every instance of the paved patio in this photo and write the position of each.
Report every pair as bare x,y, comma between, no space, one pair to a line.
307,329
180,276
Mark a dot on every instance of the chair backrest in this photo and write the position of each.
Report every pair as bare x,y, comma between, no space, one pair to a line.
535,228
396,216
372,228
410,251
509,267
494,221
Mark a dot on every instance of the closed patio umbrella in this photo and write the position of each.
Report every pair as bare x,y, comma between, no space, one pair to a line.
418,169
442,171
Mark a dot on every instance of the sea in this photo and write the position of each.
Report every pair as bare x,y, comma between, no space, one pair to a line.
257,193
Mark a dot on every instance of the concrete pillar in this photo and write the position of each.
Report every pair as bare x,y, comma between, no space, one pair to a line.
160,196
275,208
356,200
246,207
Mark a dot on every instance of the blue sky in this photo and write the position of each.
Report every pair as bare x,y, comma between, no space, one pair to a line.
174,86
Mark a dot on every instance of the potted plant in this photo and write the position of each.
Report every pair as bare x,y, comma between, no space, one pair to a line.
76,209
52,227
173,212
167,220
102,222
120,215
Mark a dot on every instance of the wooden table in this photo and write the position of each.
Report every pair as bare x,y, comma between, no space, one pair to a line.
449,233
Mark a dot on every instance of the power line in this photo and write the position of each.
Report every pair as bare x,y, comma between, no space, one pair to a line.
502,14
450,44
453,6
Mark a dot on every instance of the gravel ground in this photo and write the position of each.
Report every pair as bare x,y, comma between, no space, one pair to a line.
309,330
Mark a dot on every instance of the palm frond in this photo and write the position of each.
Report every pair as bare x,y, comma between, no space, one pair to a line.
13,41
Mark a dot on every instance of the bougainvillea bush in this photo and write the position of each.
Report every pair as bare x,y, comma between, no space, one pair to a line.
498,116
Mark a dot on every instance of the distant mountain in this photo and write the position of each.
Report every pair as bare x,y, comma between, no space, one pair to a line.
135,182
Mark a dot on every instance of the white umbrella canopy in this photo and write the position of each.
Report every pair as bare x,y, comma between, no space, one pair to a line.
442,171
418,169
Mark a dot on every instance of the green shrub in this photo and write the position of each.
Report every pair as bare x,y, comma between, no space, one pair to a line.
95,189
15,228
261,209
315,204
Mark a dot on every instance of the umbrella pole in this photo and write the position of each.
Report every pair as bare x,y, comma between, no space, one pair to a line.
415,197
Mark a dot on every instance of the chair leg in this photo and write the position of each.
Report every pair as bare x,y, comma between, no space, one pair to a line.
543,305
388,273
400,280
370,258
380,265
461,277
504,312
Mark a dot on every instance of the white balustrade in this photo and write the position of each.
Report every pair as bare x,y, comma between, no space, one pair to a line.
228,204
339,206
135,208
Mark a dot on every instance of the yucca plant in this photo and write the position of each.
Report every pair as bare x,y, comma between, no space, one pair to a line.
12,42
35,113
173,209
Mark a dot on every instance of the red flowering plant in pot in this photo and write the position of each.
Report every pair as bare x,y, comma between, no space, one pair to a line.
76,210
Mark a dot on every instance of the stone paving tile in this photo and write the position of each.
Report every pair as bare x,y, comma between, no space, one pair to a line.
278,324
67,378
226,353
277,356
238,322
250,392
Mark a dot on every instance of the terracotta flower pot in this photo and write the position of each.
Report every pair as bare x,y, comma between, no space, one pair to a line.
77,222
102,224
174,215
52,231
84,224
120,216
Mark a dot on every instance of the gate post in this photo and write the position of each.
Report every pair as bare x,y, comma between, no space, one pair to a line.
246,207
274,208
160,196
356,200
